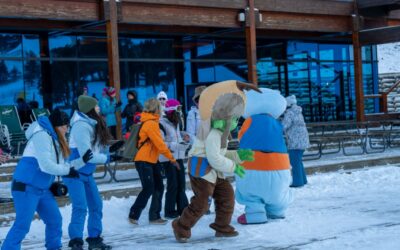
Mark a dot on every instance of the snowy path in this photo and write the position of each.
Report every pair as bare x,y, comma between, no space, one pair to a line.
346,210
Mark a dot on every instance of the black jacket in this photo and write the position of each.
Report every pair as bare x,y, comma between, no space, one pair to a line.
129,112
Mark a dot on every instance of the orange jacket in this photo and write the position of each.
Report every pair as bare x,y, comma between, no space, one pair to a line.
155,146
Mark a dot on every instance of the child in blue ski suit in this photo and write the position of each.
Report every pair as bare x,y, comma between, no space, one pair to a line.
43,158
88,135
265,189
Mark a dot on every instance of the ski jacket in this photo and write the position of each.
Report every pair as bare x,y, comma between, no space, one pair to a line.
295,128
173,139
80,141
38,165
108,109
193,122
150,135
129,112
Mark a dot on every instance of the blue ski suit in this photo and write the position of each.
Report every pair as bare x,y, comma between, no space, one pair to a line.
32,179
83,192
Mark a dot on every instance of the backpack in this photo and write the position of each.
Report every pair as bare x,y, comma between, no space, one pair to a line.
131,145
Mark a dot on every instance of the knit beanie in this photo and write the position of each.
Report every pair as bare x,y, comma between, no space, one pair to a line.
171,105
111,91
86,103
162,94
58,118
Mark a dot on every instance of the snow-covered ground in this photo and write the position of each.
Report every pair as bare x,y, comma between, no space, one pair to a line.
388,57
342,210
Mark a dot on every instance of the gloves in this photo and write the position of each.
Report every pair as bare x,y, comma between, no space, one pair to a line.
72,173
246,154
115,158
118,104
116,146
87,156
239,170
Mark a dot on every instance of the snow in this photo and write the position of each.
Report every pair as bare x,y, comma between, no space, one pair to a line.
388,57
341,210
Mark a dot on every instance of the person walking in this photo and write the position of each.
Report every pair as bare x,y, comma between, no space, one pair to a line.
175,197
297,140
151,145
108,107
131,109
88,136
43,158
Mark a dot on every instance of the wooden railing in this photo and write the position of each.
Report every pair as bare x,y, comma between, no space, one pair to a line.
383,97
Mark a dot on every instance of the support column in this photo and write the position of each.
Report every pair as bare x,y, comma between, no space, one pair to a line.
45,70
358,74
251,44
111,16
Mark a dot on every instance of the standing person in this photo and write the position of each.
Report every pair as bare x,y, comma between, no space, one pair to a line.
88,136
297,140
193,119
151,145
108,107
175,197
43,158
131,109
162,98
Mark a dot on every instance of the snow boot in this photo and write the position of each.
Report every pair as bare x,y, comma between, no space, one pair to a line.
159,222
76,244
134,222
243,220
179,237
97,244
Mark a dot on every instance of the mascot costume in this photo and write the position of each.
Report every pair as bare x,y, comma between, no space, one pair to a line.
220,107
265,189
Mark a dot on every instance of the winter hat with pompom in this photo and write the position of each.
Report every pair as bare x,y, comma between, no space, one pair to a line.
171,105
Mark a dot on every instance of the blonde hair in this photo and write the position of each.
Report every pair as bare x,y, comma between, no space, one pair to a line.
152,106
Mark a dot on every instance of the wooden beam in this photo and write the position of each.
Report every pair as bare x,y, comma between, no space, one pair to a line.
113,56
224,4
362,4
380,35
47,9
330,8
358,77
305,22
251,45
183,16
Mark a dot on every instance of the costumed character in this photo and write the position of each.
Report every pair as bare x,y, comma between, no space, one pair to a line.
220,106
265,189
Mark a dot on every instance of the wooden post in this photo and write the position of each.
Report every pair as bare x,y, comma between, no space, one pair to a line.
358,74
251,44
113,54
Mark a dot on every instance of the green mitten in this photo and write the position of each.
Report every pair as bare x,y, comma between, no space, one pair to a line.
246,154
239,170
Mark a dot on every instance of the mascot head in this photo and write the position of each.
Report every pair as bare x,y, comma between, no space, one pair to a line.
268,102
220,105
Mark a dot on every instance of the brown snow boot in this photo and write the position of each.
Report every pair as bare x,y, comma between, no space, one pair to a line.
181,235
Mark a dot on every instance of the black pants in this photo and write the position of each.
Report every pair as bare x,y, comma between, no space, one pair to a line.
152,185
175,198
113,131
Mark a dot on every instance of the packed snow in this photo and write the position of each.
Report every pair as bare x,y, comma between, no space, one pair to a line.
342,210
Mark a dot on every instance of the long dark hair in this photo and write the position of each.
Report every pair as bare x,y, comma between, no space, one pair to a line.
101,134
174,117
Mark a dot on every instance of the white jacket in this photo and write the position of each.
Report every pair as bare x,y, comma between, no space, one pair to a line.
193,122
173,139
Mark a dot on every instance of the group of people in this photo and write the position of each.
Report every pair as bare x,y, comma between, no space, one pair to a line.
163,145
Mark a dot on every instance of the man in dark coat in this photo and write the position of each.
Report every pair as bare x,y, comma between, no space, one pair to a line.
131,109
